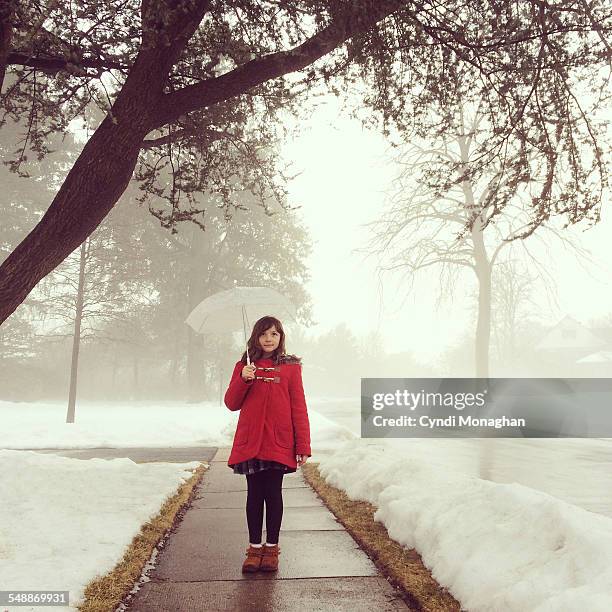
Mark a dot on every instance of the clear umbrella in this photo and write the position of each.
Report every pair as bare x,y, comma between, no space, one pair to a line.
232,309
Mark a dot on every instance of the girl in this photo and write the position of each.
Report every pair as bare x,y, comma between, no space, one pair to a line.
272,436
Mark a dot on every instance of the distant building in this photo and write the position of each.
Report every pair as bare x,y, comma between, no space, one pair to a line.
573,349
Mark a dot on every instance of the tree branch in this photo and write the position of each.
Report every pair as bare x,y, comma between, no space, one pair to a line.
53,65
212,135
258,71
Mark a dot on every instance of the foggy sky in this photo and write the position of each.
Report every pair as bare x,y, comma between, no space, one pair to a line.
345,175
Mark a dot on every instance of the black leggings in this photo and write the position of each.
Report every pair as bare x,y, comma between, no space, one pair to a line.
267,486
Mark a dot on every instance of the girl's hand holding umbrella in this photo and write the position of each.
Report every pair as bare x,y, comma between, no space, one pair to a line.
248,372
301,459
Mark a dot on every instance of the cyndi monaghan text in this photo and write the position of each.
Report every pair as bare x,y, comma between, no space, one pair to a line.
449,421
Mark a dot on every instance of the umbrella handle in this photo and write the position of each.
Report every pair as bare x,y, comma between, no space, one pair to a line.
245,337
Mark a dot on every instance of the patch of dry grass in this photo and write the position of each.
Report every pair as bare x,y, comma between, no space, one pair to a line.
105,593
403,567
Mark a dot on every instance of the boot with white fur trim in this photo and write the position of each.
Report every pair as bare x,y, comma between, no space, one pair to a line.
269,559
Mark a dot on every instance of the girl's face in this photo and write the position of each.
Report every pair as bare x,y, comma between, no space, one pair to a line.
269,340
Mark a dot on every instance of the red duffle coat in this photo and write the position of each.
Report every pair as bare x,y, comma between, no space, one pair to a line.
273,422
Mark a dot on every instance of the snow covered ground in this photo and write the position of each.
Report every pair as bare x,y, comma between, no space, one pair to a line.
64,520
496,546
135,424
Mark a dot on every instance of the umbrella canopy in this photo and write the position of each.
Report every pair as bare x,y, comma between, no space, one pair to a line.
237,308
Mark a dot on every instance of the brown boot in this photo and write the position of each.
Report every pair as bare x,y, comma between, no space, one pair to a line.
253,559
269,559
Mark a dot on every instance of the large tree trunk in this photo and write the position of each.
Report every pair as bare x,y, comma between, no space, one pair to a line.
92,187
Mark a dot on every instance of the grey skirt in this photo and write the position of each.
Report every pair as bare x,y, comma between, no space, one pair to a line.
251,466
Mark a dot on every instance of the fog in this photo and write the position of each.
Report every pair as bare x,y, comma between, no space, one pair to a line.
363,324
343,186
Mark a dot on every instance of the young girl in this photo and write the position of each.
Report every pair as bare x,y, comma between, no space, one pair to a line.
272,436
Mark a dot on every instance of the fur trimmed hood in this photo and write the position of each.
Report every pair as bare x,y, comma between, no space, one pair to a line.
287,359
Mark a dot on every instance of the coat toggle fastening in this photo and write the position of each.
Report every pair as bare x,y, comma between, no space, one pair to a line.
275,379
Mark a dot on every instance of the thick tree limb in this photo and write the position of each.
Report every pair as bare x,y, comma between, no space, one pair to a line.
258,71
211,135
56,64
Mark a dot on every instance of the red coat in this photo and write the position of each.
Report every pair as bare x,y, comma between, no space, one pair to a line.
273,422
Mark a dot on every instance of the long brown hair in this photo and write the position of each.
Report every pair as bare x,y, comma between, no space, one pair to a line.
255,350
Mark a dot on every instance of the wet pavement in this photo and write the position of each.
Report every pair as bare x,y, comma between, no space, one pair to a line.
320,566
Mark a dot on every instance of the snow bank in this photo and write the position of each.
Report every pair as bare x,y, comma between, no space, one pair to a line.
64,520
494,546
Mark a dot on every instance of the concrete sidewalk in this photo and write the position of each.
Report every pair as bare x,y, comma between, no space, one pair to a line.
320,566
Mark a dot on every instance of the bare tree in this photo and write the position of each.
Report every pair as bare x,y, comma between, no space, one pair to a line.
94,291
512,304
436,221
